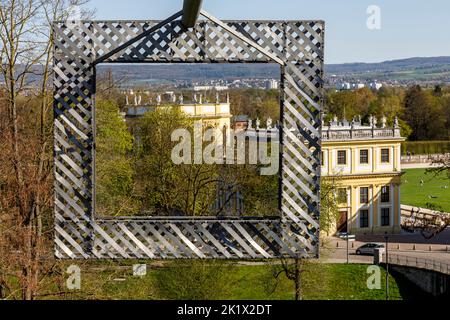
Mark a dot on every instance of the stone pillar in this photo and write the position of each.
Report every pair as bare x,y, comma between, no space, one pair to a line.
375,206
396,205
374,159
353,160
330,161
353,208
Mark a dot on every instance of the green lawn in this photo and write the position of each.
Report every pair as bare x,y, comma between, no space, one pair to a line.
432,191
320,282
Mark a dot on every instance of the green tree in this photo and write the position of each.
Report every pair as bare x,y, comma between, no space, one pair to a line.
256,103
347,104
167,188
423,112
114,164
329,206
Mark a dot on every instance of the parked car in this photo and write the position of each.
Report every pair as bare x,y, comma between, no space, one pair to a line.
345,235
368,249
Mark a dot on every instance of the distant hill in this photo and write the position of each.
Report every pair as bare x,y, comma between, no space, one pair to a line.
404,71
194,71
390,66
412,70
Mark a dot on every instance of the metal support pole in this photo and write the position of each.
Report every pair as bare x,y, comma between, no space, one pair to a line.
191,11
347,235
387,267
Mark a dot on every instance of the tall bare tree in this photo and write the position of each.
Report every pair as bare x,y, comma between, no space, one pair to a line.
293,269
25,165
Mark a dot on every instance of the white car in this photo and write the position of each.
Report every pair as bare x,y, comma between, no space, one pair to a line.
368,249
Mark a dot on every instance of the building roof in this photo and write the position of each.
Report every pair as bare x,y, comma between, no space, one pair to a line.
356,130
241,118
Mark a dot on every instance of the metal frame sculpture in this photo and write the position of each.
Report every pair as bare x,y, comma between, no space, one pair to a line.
297,46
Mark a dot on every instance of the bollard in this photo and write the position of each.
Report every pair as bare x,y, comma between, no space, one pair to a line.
337,244
398,247
414,247
429,248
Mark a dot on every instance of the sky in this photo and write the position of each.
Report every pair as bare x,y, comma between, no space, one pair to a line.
408,28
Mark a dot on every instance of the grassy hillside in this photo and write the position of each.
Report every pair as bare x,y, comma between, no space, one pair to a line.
433,190
320,282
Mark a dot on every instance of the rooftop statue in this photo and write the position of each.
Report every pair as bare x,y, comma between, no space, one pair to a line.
269,123
383,121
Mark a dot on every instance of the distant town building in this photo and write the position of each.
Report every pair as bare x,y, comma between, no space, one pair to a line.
344,86
375,86
209,88
272,84
356,86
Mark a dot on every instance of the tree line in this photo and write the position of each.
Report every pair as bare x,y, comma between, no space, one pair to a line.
424,113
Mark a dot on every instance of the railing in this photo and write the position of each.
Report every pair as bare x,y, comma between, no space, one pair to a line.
421,263
330,133
415,218
424,158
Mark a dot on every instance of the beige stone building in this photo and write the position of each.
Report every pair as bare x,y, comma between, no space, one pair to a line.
364,160
215,114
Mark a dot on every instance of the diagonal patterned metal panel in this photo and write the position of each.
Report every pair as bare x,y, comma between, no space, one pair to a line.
297,44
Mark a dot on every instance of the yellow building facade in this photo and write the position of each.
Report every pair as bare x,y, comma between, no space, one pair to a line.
364,162
212,114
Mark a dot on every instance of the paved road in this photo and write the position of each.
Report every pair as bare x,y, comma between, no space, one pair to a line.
340,256
425,165
410,245
410,239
